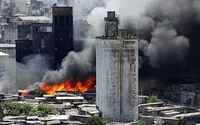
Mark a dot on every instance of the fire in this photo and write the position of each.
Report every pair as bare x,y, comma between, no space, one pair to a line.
68,86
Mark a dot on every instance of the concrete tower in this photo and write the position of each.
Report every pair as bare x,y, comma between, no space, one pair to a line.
111,26
62,32
117,75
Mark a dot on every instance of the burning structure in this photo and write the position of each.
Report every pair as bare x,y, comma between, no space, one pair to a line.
117,73
69,86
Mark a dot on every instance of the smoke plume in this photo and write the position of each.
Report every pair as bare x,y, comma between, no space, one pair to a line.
168,33
21,75
75,66
171,33
166,48
170,29
31,71
160,26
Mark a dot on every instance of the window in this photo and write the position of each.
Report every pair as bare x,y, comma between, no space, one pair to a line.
62,20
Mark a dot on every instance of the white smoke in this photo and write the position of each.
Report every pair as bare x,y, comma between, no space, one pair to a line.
8,77
20,76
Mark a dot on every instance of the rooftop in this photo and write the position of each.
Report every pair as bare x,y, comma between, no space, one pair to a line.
40,19
3,54
6,45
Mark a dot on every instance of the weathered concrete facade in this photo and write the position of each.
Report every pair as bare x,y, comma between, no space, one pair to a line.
111,25
117,79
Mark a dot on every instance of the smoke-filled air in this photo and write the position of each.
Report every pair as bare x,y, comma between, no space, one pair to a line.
167,30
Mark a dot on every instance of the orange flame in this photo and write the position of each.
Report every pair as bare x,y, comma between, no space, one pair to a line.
68,86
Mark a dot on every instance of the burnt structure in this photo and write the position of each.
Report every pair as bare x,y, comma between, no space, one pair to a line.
117,73
24,31
35,38
23,49
42,41
62,32
53,40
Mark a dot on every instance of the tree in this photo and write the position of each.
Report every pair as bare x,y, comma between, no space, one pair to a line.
140,122
17,109
1,111
43,110
152,99
95,120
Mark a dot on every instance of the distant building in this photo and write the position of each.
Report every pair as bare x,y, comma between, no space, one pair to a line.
8,32
10,49
54,40
62,32
34,32
25,25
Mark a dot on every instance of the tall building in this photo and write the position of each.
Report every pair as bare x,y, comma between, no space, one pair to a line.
62,32
117,73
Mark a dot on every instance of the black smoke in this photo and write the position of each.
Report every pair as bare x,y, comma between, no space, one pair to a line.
168,35
171,30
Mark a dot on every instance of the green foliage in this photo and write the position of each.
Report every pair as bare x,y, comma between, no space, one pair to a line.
43,110
1,111
140,122
95,120
16,109
152,99
21,109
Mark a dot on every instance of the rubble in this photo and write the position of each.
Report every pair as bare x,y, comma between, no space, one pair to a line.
88,109
70,99
81,118
6,123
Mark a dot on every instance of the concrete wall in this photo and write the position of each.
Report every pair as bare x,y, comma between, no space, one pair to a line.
117,79
3,60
